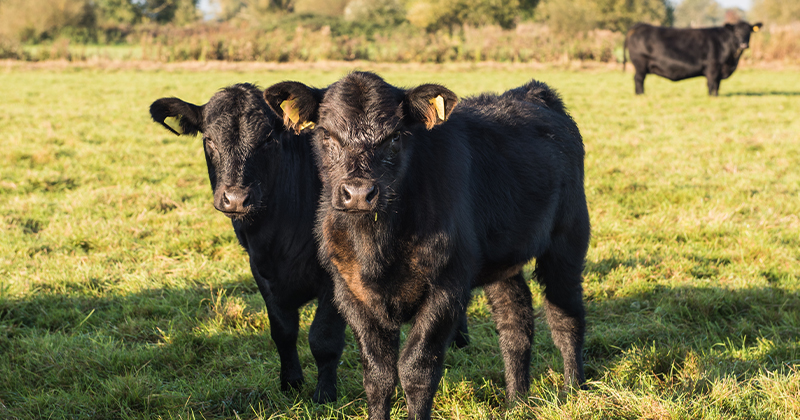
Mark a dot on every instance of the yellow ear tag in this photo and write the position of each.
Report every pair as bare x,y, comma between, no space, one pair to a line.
290,110
756,28
307,124
174,123
438,103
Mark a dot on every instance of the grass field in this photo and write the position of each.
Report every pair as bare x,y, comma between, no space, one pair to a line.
123,293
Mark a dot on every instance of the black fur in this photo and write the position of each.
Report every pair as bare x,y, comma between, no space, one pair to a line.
465,204
265,180
679,54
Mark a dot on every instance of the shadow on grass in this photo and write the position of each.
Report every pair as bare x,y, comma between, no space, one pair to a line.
172,351
152,353
769,93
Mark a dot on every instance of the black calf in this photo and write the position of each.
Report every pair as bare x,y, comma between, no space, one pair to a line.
265,180
414,213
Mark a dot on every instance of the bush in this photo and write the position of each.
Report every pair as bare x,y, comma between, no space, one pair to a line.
37,20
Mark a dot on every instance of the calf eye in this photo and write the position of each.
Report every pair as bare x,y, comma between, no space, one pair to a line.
210,146
394,143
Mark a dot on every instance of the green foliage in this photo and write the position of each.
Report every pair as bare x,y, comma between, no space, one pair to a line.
170,11
37,20
438,14
775,11
699,13
378,12
124,294
580,16
111,12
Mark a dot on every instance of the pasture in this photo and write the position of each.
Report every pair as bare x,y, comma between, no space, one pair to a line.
124,294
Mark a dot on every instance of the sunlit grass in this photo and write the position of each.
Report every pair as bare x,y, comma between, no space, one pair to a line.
123,293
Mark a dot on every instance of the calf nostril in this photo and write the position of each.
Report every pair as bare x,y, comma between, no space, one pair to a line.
225,201
371,193
346,196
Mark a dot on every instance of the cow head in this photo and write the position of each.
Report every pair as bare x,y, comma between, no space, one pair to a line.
741,32
240,138
364,134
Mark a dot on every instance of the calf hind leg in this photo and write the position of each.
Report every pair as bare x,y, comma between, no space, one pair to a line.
560,271
512,310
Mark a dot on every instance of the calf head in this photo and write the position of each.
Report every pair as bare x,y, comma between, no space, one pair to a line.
741,32
364,133
240,136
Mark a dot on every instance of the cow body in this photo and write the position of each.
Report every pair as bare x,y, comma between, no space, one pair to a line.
264,178
412,218
678,54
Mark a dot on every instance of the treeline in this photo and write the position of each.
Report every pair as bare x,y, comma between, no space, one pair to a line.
377,30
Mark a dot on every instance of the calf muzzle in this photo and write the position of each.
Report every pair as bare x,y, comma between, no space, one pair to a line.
233,201
356,195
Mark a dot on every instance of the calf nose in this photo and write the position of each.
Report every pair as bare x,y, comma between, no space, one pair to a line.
233,200
357,196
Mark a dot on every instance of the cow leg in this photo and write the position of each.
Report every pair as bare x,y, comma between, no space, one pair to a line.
713,84
326,339
638,80
560,271
512,311
422,357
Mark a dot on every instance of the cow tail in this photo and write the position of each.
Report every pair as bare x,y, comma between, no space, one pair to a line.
624,56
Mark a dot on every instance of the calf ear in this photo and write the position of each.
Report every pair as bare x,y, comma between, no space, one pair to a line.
295,103
430,104
757,27
177,116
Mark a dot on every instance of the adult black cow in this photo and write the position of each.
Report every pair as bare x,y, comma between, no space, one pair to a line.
415,212
679,54
264,179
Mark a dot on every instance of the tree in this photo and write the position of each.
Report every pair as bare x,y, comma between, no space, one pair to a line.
436,14
167,11
699,13
775,11
117,12
571,17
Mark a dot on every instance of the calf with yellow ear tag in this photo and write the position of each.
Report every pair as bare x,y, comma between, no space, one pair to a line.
425,197
263,178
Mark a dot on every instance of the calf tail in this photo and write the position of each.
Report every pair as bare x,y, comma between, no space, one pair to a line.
625,47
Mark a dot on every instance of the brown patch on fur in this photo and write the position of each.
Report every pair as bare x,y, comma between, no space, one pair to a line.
344,258
493,274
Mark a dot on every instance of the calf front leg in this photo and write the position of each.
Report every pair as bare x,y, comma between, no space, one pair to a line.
512,310
422,357
378,346
284,324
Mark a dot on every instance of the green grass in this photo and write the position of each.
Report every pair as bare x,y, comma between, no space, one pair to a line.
123,293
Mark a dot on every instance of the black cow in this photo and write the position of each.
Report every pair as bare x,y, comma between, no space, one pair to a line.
265,180
414,213
679,54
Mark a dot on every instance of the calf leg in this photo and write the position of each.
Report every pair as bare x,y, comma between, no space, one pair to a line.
512,310
326,339
422,358
284,325
461,336
378,348
560,270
